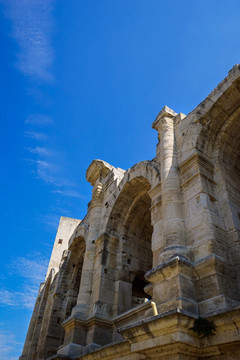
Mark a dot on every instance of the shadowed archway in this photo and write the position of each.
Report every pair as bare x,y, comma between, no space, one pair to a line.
130,222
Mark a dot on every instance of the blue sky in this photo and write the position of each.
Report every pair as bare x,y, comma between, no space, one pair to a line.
82,80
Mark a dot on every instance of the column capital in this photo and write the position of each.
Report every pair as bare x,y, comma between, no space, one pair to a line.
166,112
98,169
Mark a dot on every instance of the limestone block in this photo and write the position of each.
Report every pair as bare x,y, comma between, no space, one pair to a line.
123,296
70,350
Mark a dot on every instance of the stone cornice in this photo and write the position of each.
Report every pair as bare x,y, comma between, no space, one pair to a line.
168,268
165,112
97,169
74,321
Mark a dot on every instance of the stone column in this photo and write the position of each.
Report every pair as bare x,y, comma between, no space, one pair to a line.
216,276
78,327
85,292
172,276
173,227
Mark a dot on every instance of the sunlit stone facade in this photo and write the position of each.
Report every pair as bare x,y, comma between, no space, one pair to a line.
166,231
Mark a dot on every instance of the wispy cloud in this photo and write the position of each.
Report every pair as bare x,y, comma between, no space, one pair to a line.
51,220
31,270
68,193
7,297
39,150
45,171
38,119
32,28
49,172
32,267
35,135
32,25
8,344
20,299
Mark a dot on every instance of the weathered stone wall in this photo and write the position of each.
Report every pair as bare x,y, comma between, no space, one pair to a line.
164,232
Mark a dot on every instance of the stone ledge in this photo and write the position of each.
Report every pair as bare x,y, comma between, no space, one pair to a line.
133,311
168,266
165,112
96,169
86,322
159,316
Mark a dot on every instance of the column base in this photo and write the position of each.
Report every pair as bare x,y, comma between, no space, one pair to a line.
83,334
173,285
70,350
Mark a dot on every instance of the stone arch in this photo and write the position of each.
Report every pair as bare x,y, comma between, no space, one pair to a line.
219,142
218,113
199,130
37,321
225,154
217,131
137,181
130,222
73,272
222,147
213,132
145,169
81,232
62,298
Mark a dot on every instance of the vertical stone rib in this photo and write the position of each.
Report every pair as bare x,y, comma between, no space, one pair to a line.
85,292
173,239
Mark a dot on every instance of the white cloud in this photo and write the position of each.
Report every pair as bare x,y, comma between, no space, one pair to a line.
8,344
32,24
39,150
38,119
51,220
69,193
35,135
19,299
45,171
50,172
32,271
7,297
32,267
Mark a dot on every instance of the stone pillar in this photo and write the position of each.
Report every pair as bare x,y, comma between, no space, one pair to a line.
173,227
216,283
172,275
75,326
85,293
79,330
104,279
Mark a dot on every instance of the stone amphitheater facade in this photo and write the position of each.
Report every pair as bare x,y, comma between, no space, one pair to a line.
152,271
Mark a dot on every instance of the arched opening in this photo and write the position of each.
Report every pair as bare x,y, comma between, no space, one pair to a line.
39,310
130,221
227,177
71,280
219,141
62,299
72,274
136,235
